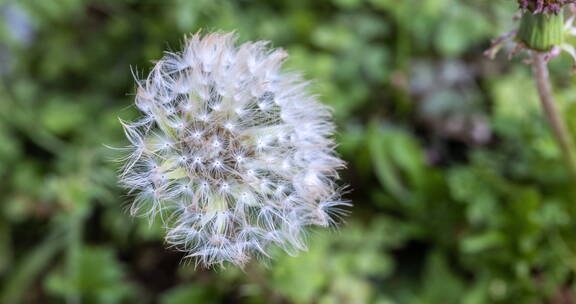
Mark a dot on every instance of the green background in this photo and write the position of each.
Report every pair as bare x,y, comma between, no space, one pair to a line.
460,192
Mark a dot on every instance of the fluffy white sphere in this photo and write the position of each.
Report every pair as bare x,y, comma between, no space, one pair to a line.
234,154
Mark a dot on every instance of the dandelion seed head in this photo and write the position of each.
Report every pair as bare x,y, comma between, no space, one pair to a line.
236,153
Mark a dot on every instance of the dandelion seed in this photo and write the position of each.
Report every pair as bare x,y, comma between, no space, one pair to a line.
237,152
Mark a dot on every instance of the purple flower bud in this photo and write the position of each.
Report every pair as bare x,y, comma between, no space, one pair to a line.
544,6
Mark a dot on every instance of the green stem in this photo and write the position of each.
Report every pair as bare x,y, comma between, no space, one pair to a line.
73,255
20,281
542,77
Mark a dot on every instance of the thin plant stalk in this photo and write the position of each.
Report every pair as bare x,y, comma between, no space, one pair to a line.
561,133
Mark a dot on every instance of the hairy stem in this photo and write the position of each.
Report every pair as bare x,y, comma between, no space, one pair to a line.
542,77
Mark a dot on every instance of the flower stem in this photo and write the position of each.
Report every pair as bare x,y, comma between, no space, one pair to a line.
542,77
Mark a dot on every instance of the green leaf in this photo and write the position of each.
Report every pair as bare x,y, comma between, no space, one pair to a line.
190,293
101,278
440,283
399,161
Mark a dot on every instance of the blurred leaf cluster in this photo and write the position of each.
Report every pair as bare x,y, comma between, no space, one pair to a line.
460,192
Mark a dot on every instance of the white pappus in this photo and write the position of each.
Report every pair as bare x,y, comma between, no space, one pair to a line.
235,155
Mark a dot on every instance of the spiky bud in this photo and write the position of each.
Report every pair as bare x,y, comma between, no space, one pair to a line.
541,32
235,154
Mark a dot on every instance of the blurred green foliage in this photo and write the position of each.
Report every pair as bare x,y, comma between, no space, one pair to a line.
460,192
